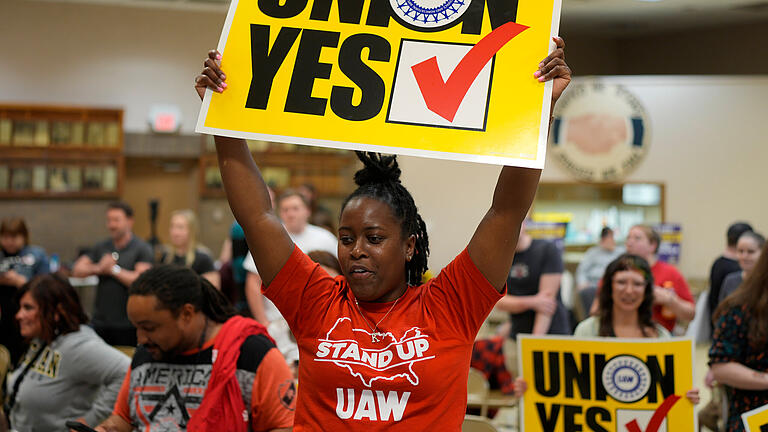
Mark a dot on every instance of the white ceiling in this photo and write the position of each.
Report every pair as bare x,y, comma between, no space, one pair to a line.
604,17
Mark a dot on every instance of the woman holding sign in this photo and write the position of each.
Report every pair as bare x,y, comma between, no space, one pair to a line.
378,349
625,305
738,357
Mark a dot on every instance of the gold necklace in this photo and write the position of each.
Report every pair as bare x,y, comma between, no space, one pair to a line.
376,335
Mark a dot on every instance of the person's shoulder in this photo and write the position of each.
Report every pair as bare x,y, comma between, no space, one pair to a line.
547,246
732,276
252,352
34,250
587,327
87,348
82,335
319,231
724,261
140,357
103,244
138,242
202,254
666,267
236,231
735,313
661,331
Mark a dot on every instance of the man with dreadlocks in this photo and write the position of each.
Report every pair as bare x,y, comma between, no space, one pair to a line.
379,350
198,367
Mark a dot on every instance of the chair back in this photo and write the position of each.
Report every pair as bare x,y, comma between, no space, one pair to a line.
477,424
477,385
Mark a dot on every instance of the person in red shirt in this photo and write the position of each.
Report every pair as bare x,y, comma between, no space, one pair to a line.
378,350
672,299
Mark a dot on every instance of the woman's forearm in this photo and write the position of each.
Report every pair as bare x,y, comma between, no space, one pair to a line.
739,376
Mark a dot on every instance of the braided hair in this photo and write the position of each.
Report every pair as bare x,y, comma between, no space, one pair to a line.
379,179
174,286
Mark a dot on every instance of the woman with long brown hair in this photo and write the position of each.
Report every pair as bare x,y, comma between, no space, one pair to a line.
738,357
625,302
625,309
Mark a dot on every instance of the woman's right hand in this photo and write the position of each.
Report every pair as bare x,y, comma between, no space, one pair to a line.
212,76
520,387
709,379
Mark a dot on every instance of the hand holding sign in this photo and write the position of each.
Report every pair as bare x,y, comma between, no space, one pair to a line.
212,76
554,68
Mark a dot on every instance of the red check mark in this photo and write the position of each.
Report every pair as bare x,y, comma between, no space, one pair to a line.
444,97
658,416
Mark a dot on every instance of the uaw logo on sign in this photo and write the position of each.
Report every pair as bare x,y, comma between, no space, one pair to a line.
600,132
429,14
450,79
606,384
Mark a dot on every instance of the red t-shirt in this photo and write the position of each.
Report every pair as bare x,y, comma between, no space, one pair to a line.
416,379
666,276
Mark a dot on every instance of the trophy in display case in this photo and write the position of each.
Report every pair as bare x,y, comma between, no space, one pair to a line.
64,179
21,179
61,133
5,175
24,133
6,129
93,178
96,136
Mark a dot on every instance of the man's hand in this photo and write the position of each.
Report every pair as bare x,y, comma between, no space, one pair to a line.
543,303
114,424
105,264
212,76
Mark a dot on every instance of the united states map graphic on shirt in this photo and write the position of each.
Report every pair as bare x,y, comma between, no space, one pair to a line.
389,363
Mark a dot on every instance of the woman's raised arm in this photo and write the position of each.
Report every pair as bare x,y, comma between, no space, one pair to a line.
246,190
493,245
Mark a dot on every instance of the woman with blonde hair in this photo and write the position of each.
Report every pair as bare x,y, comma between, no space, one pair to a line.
184,250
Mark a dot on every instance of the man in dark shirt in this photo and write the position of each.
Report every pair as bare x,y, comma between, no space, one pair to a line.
117,261
532,300
724,265
533,287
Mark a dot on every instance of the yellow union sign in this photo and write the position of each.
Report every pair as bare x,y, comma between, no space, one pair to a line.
606,384
756,420
450,79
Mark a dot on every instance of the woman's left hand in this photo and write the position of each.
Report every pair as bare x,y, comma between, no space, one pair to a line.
555,69
693,396
520,387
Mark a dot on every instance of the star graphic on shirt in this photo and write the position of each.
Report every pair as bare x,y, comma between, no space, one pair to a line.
166,401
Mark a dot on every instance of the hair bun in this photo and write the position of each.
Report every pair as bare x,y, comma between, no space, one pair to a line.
377,169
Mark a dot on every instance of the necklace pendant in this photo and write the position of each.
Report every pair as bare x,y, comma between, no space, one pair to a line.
377,337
